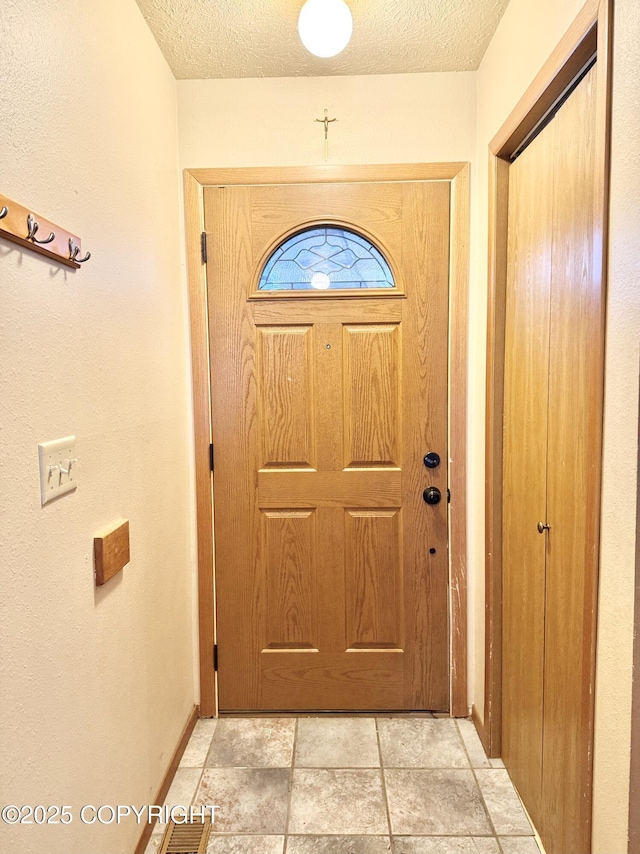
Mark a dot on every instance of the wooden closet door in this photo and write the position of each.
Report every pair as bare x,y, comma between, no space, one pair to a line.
525,460
553,412
573,496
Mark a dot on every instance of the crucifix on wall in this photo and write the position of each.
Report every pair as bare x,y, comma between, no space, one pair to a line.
326,121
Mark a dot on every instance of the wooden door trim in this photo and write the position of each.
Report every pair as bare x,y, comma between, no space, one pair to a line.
249,176
458,175
458,347
590,31
199,325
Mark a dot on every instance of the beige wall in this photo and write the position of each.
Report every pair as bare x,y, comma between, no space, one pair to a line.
393,118
96,685
526,36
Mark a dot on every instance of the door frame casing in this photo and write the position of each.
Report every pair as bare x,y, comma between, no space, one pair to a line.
195,180
590,32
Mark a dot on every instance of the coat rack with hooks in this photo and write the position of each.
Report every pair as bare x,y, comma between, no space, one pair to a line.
27,229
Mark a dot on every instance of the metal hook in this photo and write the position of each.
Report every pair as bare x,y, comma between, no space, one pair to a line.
33,227
4,210
73,253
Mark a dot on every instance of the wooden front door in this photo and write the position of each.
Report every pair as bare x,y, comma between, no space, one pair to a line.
331,569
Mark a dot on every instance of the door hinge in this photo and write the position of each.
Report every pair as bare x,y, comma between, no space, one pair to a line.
211,458
203,246
215,657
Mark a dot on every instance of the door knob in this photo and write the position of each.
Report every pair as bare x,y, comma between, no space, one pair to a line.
432,495
542,527
432,460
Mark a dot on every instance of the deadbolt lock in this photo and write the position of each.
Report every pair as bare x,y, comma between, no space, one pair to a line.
432,460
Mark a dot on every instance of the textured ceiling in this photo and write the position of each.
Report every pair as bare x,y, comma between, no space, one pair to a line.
259,38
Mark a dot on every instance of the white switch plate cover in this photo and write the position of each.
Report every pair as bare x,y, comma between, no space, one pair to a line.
55,456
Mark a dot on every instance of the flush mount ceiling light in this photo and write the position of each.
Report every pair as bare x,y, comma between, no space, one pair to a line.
325,26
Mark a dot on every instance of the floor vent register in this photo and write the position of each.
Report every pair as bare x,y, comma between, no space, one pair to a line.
189,837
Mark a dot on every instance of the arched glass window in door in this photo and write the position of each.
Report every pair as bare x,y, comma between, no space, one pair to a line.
325,258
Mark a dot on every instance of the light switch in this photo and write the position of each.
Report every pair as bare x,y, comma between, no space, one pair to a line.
58,467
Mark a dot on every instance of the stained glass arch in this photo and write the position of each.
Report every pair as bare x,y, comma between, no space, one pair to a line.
326,257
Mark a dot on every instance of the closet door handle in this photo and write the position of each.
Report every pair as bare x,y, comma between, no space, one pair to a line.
542,527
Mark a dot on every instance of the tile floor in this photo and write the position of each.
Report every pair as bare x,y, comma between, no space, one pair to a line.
359,785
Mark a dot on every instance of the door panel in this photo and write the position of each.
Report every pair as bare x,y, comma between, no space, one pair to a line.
322,411
288,548
525,464
285,395
373,579
372,428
